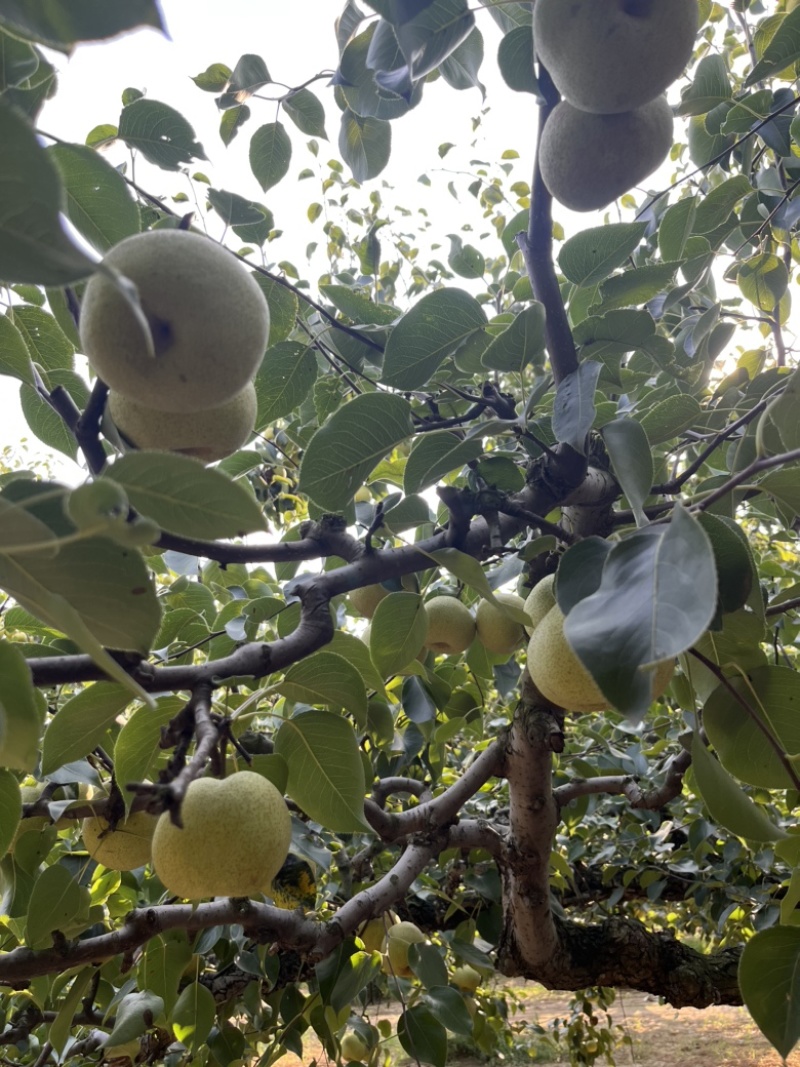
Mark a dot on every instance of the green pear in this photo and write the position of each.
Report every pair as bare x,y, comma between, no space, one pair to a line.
498,632
234,839
451,627
587,160
123,848
209,435
208,319
610,56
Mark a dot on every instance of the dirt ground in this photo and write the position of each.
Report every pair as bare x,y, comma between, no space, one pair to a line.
662,1036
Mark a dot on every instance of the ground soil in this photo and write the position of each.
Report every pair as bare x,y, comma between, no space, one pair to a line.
662,1036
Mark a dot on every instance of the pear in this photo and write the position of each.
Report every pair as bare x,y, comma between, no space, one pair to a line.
539,601
208,318
587,161
498,632
466,978
123,848
354,1049
451,627
399,939
610,56
234,839
366,599
208,435
561,677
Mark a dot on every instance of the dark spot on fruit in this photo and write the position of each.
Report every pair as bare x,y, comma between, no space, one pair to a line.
163,336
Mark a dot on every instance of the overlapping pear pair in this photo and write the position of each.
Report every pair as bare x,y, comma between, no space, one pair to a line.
209,323
611,60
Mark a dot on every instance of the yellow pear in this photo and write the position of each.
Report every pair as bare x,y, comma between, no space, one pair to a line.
466,978
400,937
366,599
539,601
561,677
609,56
498,632
208,435
235,837
451,627
587,161
208,318
126,846
353,1048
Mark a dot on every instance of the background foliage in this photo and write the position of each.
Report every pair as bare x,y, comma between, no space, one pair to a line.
652,455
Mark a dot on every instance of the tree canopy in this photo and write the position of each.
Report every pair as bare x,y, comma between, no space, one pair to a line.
602,419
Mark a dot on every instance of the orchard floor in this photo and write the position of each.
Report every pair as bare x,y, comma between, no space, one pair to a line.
662,1036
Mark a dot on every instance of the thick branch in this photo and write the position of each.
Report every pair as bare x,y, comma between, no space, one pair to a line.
624,954
537,249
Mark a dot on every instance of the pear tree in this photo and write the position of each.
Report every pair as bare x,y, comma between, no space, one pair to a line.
556,468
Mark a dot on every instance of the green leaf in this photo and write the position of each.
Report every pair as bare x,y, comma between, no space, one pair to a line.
784,486
55,902
657,596
365,144
20,715
283,307
326,775
465,260
423,1036
636,286
46,423
460,68
306,112
162,964
520,344
573,408
136,1013
249,75
18,61
710,87
397,632
160,133
670,417
62,1025
82,723
448,1006
328,679
63,26
47,343
138,744
714,209
728,805
98,202
360,970
284,380
434,455
434,328
591,255
355,438
270,154
193,1016
10,804
15,359
33,245
629,451
783,49
358,307
232,121
184,497
763,280
676,228
213,79
354,650
773,694
515,60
